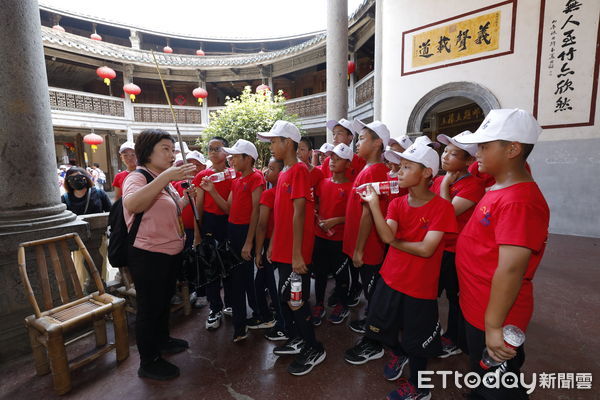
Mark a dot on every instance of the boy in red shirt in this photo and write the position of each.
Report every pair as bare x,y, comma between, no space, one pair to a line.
265,272
502,244
406,295
291,246
242,206
463,190
361,243
213,222
304,154
328,257
343,132
127,153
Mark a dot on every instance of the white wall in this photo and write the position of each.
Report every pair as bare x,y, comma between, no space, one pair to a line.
565,161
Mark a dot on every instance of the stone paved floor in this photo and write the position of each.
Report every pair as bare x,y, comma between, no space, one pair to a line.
563,337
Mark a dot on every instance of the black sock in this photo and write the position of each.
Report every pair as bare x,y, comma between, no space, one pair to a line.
305,326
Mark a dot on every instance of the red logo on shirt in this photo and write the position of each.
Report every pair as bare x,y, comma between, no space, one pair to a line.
424,223
485,221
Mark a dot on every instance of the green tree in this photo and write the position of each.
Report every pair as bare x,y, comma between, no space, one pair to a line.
246,115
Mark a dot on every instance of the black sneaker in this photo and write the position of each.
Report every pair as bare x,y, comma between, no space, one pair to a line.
318,312
174,346
364,351
308,358
158,369
358,325
275,334
214,320
292,346
241,335
339,314
332,300
256,323
448,348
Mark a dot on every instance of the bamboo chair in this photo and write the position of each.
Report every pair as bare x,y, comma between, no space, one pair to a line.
127,291
51,327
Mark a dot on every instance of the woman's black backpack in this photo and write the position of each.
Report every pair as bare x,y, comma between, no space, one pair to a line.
118,237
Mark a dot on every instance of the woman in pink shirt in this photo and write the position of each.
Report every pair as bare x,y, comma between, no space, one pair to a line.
155,256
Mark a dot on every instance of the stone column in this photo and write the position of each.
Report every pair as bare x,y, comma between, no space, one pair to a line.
30,206
377,87
128,104
337,60
28,177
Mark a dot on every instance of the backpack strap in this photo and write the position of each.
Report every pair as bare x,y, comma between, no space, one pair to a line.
138,217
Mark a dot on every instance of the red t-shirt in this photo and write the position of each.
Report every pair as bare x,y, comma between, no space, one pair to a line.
467,187
267,198
356,166
293,183
316,176
414,275
119,178
240,212
518,216
223,188
374,249
186,214
333,198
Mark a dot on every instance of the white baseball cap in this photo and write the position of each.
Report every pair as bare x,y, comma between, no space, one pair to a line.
344,151
281,129
196,155
242,147
422,154
514,125
326,148
425,141
332,123
392,156
126,146
185,148
469,148
376,126
402,140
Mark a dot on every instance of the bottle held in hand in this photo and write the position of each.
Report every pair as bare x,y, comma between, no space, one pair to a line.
381,188
513,338
295,290
228,173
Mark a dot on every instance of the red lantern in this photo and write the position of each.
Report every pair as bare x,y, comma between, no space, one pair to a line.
200,94
351,68
132,90
94,140
167,49
59,28
95,36
200,52
263,89
107,74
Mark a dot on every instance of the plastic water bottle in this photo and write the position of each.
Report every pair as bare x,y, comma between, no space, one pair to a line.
513,338
295,290
328,232
229,173
381,188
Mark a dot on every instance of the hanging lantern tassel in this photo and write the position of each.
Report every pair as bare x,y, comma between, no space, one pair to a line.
200,100
94,148
132,97
107,81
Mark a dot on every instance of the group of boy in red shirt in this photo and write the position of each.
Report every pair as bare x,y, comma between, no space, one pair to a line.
384,222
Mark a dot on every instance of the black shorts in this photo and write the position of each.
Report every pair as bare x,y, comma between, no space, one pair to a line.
448,276
392,312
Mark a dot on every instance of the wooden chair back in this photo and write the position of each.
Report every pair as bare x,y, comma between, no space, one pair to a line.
63,271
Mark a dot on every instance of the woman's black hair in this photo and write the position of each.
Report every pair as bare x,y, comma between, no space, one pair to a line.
221,139
145,142
73,170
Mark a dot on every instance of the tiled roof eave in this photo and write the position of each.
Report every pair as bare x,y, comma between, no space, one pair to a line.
82,45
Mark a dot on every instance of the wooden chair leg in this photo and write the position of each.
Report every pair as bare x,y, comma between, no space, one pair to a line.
40,357
100,332
59,364
185,296
121,335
